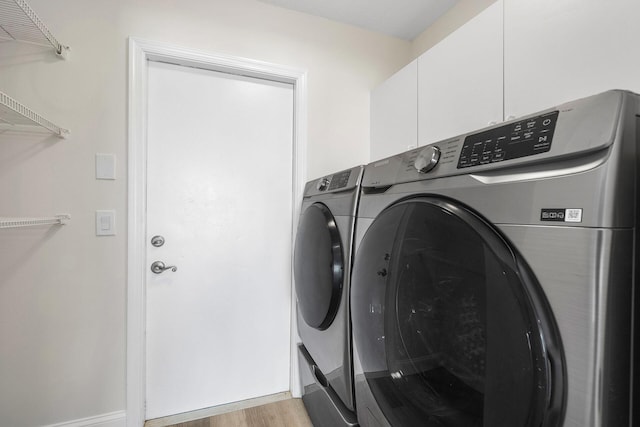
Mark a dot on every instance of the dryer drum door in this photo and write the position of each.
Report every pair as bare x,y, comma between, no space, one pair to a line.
450,326
318,267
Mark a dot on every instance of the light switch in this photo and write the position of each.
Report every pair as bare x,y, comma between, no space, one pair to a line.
105,166
105,223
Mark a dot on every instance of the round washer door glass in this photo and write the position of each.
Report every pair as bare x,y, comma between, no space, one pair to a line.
318,266
450,326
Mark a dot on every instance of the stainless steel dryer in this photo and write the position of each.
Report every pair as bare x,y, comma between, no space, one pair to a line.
322,270
495,275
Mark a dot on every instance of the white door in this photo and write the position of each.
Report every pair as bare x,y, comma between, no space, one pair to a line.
219,168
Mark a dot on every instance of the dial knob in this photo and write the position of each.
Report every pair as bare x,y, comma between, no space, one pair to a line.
323,184
427,159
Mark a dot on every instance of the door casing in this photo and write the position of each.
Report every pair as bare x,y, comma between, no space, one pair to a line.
140,52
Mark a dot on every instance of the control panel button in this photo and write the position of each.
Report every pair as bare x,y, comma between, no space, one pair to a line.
323,184
427,159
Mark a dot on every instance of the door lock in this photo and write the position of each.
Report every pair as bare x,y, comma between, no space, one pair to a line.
158,267
157,241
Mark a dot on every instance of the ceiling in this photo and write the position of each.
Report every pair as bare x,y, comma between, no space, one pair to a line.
404,19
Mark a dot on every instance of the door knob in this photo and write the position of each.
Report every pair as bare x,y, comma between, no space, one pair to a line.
158,267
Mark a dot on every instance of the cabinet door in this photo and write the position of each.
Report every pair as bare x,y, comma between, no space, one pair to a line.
560,50
394,113
460,79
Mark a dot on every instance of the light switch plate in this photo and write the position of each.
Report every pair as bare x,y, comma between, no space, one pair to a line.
106,223
105,166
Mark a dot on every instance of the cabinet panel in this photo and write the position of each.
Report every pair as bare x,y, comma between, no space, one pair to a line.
560,50
460,80
394,113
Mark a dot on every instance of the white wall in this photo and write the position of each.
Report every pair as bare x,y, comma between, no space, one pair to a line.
462,12
62,290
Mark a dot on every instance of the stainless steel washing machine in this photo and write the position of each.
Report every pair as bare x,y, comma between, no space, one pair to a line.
322,270
495,275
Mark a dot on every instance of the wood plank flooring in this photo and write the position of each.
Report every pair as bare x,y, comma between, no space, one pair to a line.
285,413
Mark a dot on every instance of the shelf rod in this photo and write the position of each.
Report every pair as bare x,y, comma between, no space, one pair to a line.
31,222
20,110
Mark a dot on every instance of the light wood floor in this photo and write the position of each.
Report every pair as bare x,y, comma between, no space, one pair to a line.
285,413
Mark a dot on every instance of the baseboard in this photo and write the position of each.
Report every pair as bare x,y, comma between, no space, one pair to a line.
216,410
112,419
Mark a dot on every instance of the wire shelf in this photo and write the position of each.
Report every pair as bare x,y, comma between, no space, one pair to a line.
19,22
32,222
14,113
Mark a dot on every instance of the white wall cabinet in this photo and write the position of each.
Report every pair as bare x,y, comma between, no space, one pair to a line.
557,51
460,79
520,56
394,113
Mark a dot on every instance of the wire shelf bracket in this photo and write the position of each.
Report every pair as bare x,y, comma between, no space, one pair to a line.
20,23
61,219
13,113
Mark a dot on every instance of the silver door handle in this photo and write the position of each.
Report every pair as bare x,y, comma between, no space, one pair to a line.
158,267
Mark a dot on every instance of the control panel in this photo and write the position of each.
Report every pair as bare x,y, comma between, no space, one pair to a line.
339,180
565,131
518,139
334,182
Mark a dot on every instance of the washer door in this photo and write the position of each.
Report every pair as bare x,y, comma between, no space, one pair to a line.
450,326
318,267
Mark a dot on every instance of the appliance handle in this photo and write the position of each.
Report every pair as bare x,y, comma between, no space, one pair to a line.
554,412
319,376
542,171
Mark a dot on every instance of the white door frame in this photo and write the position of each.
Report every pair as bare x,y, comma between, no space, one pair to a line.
140,52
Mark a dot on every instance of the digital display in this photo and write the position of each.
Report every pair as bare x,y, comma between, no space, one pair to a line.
519,139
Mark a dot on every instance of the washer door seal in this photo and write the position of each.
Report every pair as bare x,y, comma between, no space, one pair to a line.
318,266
